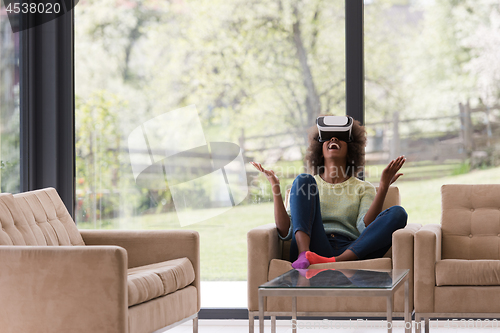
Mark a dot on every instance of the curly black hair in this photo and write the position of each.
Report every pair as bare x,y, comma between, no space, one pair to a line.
355,151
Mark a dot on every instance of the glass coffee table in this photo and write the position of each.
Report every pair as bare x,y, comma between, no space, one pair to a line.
336,282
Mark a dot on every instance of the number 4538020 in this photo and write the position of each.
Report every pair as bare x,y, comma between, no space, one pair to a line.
33,8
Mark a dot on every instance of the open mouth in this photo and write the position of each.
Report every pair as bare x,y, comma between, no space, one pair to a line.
333,146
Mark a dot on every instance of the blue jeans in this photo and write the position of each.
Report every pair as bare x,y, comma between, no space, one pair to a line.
305,210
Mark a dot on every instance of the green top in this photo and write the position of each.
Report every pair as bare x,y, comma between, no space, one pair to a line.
343,206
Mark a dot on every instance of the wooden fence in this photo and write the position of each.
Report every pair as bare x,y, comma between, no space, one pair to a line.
463,138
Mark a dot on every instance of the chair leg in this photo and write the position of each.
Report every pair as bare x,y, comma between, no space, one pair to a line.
195,324
273,324
426,321
250,322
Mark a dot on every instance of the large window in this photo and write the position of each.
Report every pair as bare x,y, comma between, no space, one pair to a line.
173,99
9,106
433,94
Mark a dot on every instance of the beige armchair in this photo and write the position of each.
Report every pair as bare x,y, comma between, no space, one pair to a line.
457,263
268,257
52,280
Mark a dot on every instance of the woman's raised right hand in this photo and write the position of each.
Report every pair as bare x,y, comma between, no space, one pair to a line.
271,176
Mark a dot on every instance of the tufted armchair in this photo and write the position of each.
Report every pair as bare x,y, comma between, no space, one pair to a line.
268,257
457,263
51,280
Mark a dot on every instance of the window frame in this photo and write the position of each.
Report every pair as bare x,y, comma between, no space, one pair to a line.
47,107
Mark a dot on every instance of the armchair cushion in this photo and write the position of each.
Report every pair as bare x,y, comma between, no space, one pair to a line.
143,286
454,272
44,209
163,311
36,218
14,229
151,281
146,247
470,227
467,299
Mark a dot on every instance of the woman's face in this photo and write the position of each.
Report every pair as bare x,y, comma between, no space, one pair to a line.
334,149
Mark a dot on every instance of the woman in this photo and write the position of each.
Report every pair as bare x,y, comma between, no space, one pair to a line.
333,216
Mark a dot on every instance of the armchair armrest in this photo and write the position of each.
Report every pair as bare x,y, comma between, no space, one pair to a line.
403,254
146,247
63,289
403,246
263,246
427,253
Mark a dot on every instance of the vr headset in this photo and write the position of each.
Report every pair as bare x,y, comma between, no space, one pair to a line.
334,126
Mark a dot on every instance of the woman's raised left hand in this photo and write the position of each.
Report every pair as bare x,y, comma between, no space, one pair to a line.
390,173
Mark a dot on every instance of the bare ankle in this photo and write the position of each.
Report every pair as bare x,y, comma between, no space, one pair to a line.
347,255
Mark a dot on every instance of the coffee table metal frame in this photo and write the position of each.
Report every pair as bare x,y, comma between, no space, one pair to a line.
295,292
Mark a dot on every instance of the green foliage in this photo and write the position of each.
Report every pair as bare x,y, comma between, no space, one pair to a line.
97,147
462,168
10,178
231,59
424,57
10,175
262,67
103,171
240,61
9,111
416,171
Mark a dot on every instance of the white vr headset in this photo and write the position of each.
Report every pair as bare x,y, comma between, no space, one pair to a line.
334,126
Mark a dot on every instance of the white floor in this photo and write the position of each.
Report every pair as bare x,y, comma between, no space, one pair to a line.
233,294
224,294
241,326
